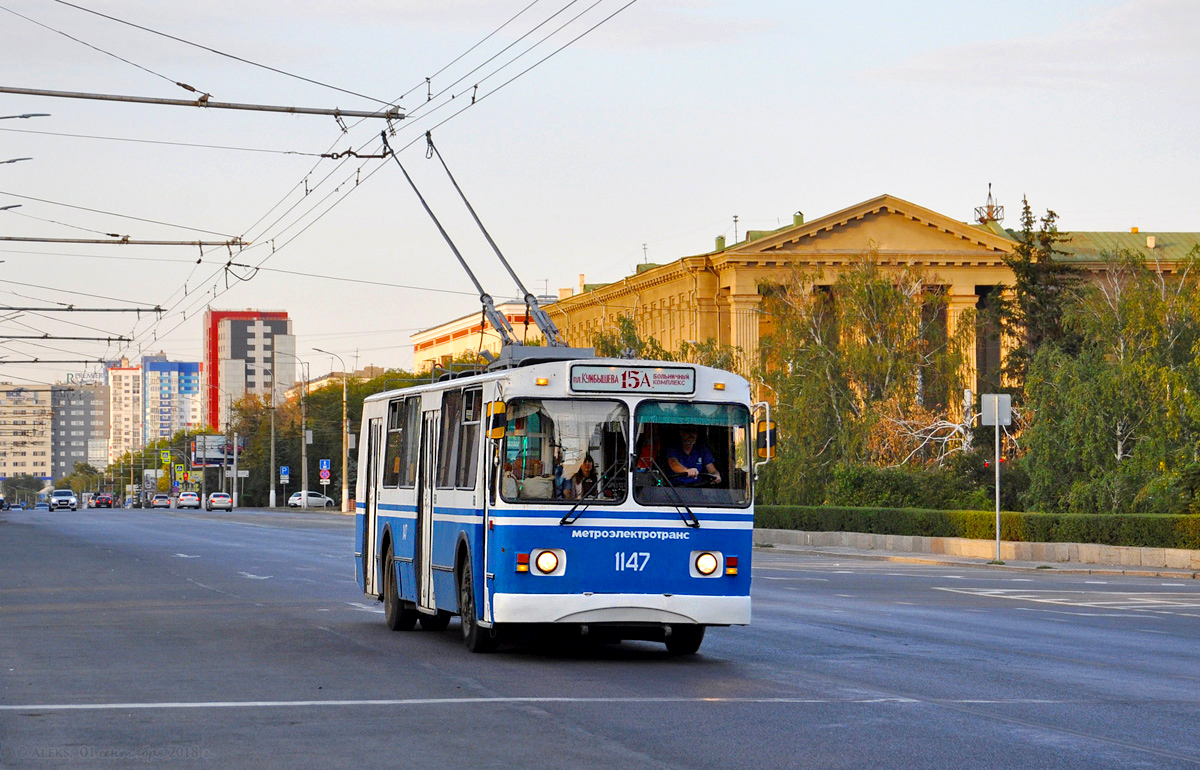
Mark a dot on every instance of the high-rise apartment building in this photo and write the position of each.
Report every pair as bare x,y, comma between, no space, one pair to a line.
25,425
125,412
245,352
171,393
80,427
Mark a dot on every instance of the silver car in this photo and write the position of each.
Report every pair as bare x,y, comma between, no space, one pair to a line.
221,500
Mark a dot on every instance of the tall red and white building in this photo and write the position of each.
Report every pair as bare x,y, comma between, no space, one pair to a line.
245,352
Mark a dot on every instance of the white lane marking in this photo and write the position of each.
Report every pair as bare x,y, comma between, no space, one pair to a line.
1142,603
844,572
952,577
817,580
255,577
1095,582
185,556
509,700
1021,580
365,608
1178,585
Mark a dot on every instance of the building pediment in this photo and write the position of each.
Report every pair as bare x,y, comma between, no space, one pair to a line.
892,226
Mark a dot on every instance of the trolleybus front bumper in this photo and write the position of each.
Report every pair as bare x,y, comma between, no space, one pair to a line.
620,608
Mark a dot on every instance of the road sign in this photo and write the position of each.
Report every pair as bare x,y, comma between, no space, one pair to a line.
284,471
166,456
997,408
324,474
324,466
178,470
324,482
243,474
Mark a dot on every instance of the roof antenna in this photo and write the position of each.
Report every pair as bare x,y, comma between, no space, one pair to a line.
991,212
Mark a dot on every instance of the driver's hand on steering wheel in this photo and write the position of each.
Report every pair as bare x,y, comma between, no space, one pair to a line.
692,473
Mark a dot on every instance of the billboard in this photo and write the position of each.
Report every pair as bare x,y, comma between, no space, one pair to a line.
214,451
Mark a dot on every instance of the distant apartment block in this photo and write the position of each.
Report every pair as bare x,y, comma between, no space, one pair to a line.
26,415
125,413
171,392
79,428
246,352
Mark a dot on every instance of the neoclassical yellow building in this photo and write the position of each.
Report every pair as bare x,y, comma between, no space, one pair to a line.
716,295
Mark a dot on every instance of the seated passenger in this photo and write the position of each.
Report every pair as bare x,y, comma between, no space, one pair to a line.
583,482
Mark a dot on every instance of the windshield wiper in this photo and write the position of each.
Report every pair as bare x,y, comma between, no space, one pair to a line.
690,519
595,495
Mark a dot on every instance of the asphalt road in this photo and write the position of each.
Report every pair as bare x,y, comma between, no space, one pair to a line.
173,639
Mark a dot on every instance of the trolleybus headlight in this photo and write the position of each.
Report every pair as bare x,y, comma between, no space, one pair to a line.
707,563
546,562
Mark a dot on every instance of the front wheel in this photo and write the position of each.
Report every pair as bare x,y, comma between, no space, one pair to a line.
685,640
399,615
476,638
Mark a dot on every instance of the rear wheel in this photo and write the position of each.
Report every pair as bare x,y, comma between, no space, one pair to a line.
400,615
476,639
685,640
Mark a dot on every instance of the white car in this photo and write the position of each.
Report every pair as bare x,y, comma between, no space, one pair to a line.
220,500
61,499
315,500
188,500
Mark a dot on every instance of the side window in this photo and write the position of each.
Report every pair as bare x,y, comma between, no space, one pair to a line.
448,440
468,442
395,442
412,442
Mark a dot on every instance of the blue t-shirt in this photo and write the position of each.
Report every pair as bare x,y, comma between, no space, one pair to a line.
699,458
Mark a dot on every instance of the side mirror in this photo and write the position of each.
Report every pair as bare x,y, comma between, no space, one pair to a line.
497,419
765,439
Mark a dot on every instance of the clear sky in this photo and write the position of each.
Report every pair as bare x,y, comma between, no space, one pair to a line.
639,141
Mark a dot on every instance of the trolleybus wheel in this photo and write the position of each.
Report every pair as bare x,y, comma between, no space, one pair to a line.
685,640
400,616
476,639
436,622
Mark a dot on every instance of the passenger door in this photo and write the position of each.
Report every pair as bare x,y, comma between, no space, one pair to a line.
425,504
370,555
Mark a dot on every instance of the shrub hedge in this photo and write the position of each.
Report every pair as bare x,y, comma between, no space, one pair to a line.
1147,530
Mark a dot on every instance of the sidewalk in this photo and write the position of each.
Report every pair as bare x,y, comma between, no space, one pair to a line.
959,552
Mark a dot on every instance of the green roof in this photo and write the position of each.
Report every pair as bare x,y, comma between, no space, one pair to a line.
1091,247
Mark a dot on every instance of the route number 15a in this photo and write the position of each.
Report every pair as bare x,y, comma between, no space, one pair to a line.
635,561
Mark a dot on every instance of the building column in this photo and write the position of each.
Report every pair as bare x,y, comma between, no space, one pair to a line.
744,310
959,304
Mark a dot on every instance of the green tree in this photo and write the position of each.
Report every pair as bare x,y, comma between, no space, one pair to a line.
863,371
1116,427
1043,288
23,488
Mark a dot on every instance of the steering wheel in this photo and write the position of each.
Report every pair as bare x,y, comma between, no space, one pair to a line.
702,480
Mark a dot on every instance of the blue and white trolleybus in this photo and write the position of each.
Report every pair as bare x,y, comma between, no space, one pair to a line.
610,496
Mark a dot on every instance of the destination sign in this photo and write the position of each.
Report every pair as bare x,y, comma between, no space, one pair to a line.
636,379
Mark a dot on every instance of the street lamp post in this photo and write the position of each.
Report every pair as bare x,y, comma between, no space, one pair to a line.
345,434
303,425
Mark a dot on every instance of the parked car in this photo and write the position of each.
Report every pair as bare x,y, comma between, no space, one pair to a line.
42,506
221,500
63,499
188,500
161,501
315,500
103,500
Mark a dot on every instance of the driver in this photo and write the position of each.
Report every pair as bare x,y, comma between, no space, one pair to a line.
689,460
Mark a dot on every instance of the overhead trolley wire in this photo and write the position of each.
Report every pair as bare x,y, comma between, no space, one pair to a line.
221,53
260,241
166,143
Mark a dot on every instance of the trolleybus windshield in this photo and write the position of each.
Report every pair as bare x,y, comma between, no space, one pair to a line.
564,451
678,446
